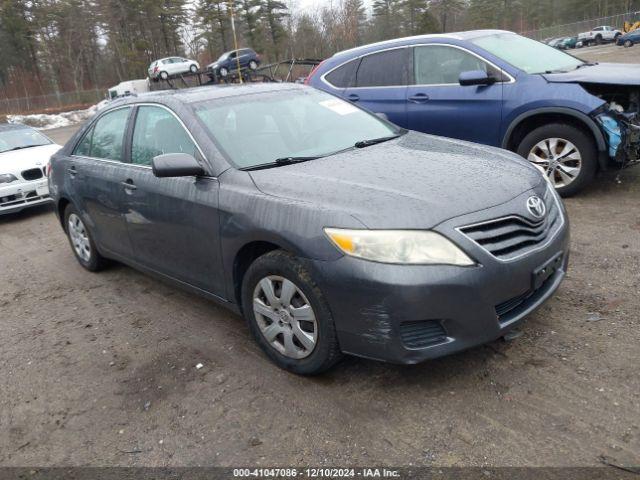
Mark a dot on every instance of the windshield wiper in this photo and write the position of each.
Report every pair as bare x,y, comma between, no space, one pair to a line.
375,141
582,65
282,161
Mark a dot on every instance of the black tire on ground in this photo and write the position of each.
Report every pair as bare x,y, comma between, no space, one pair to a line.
598,39
582,141
193,69
96,262
326,351
628,43
164,75
253,65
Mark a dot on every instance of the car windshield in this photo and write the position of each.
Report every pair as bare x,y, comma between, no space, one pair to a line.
526,54
258,129
223,56
16,139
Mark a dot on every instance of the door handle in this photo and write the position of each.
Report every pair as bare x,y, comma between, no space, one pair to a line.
353,97
128,184
72,171
419,98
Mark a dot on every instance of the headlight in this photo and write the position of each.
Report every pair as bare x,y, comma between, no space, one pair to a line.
7,178
412,247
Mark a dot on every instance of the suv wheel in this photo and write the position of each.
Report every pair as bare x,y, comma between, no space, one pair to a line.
164,75
193,69
81,241
566,154
598,39
253,65
288,315
224,72
628,43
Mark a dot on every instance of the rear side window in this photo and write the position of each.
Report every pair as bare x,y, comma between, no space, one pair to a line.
105,138
384,69
158,132
344,76
442,65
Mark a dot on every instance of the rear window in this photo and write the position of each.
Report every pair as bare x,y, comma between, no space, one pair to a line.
384,69
343,76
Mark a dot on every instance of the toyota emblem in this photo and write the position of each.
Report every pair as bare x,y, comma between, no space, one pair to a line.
536,206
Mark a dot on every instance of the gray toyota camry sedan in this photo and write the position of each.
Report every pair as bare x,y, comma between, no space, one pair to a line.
329,229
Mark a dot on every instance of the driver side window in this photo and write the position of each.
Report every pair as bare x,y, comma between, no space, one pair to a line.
442,65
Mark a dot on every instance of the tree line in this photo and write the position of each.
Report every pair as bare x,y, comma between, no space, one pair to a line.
52,46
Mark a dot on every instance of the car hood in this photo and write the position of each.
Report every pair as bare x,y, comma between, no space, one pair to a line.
417,181
19,160
602,73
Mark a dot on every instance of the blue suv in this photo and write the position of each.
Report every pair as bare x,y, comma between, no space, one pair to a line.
568,117
229,62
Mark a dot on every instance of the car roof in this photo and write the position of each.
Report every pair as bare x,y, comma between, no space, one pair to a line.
204,93
468,35
4,127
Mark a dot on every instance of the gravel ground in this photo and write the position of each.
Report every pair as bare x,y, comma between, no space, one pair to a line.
100,369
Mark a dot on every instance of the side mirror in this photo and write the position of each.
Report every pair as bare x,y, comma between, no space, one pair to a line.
176,165
476,77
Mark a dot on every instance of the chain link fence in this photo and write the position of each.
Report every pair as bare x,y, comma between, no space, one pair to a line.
572,29
52,103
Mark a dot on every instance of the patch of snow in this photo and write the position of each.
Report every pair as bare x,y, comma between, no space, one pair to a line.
46,121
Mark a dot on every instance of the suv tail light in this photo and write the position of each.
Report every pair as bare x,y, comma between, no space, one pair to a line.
312,72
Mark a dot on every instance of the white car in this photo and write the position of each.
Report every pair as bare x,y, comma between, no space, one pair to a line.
24,155
599,35
170,66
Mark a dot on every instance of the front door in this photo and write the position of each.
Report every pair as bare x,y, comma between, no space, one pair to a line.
438,104
381,84
172,222
95,171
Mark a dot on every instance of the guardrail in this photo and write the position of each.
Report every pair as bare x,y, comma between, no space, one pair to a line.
52,103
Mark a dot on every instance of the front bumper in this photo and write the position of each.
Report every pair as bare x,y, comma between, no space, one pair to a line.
17,196
408,314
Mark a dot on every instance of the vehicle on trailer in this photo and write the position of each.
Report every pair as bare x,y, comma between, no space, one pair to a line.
330,229
629,39
171,66
599,35
24,154
229,61
554,42
567,116
129,87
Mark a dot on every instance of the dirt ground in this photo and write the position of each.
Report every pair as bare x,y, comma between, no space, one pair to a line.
100,369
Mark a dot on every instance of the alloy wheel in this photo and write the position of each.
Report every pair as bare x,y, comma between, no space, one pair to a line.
79,237
558,158
285,317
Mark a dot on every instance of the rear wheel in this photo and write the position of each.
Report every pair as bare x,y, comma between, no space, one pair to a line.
81,241
599,40
566,155
224,72
164,75
193,69
628,43
253,65
288,315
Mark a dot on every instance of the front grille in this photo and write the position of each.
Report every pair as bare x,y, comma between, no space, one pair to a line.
510,237
32,174
421,334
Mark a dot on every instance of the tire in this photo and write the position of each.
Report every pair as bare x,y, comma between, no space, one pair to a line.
253,65
311,357
563,134
193,69
628,44
164,75
92,261
224,72
598,39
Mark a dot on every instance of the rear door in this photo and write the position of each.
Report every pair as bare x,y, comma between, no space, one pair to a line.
172,222
438,104
96,171
381,84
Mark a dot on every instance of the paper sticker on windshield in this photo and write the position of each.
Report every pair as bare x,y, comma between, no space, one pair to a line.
339,106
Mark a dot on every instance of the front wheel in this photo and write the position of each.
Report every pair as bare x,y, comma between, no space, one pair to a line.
224,72
566,155
599,40
288,315
81,241
628,43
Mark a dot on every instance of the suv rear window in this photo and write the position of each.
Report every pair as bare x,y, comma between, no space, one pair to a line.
345,75
384,69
